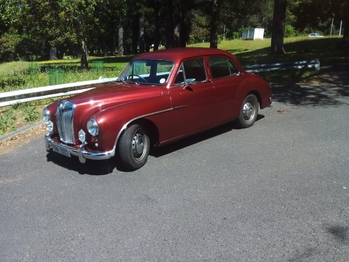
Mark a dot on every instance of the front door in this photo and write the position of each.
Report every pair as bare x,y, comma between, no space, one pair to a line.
192,99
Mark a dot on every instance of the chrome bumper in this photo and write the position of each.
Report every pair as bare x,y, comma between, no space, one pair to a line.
80,152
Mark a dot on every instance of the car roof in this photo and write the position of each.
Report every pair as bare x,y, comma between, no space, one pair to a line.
176,54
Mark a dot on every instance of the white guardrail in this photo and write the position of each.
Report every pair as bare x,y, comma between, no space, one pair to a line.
38,93
315,63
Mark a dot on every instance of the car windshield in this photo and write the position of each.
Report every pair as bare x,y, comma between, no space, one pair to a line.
153,72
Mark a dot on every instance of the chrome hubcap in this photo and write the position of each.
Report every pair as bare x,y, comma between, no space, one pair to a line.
247,110
137,145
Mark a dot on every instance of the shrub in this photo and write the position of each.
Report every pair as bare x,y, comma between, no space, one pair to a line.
8,45
289,31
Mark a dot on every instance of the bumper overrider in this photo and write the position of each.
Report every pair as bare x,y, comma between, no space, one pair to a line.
81,152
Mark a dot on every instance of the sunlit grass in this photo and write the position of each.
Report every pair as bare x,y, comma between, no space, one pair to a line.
13,68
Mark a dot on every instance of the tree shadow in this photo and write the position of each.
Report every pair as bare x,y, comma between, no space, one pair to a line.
328,94
330,51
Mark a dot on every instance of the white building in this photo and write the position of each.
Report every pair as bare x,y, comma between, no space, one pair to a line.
253,33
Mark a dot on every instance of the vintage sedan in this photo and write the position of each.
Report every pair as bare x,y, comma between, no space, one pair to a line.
158,98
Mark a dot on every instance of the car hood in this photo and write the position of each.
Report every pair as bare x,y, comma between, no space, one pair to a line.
116,93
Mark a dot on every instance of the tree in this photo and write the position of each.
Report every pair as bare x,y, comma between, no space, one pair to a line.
346,23
216,5
9,15
278,30
78,16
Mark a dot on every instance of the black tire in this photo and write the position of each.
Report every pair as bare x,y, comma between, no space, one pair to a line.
134,146
248,111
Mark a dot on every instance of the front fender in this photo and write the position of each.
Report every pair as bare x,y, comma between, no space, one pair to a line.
114,120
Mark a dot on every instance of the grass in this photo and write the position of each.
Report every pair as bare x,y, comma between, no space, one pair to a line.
23,75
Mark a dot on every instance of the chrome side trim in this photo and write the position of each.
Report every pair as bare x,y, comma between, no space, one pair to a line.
80,152
139,117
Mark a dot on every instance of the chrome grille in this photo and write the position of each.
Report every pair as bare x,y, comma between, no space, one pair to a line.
65,121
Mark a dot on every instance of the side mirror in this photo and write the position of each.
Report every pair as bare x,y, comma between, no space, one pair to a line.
190,81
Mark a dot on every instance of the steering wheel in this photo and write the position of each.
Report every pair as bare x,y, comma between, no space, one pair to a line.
140,77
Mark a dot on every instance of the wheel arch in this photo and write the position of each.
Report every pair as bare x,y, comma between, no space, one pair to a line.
257,94
148,125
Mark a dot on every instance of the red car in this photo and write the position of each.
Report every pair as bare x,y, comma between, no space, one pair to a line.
158,98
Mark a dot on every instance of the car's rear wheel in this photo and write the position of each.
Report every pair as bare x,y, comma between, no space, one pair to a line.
248,111
134,146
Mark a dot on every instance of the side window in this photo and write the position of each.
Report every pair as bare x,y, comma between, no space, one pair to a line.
222,67
191,69
163,68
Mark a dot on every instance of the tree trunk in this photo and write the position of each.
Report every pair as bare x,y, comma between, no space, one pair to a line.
120,38
346,32
169,25
135,34
141,35
182,28
157,27
346,24
84,55
278,28
215,23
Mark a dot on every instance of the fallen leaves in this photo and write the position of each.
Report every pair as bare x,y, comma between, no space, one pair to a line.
21,138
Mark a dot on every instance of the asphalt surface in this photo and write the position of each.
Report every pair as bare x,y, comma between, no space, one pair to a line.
278,191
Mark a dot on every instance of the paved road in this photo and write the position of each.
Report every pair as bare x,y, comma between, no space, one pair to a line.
278,191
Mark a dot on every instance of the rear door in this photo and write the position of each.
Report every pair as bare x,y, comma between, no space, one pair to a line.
226,80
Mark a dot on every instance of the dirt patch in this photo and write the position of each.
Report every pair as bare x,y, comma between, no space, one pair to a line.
337,78
19,138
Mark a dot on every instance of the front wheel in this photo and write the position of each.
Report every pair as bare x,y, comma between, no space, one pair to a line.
248,111
134,147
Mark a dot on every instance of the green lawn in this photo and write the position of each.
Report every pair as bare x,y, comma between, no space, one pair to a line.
21,75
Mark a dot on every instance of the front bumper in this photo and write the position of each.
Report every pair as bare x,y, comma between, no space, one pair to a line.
80,151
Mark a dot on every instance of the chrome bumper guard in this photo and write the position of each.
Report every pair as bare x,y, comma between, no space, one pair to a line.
80,152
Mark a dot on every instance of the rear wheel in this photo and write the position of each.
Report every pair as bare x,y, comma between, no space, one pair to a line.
134,146
248,111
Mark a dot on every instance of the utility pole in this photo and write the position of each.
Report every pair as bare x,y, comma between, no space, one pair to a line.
340,28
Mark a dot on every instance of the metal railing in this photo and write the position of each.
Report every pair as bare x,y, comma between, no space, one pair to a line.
38,93
307,64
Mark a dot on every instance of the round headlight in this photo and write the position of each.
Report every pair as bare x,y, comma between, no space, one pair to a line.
92,127
46,115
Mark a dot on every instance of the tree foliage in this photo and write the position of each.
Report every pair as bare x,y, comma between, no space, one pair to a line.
105,27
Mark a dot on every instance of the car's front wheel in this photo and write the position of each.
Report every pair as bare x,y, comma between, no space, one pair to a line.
134,146
248,111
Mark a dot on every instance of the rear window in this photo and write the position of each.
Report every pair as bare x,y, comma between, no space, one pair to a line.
222,67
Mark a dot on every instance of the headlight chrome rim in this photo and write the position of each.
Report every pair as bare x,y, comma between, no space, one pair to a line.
46,115
92,127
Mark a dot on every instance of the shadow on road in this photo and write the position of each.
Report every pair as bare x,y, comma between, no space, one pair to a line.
104,167
314,95
324,90
101,167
